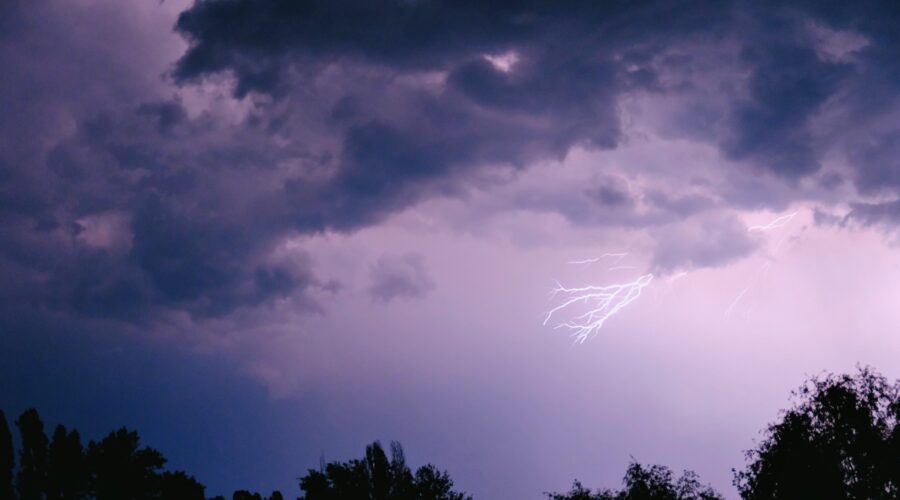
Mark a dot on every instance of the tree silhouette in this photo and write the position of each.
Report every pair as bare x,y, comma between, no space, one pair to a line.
654,483
433,483
121,469
840,440
245,495
179,485
31,481
7,460
115,468
67,471
377,478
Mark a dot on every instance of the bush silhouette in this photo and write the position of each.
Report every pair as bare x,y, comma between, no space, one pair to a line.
654,483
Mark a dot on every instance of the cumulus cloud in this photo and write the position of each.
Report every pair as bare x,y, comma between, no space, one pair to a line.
786,67
124,193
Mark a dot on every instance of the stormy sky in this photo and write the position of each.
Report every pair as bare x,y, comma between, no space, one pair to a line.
266,231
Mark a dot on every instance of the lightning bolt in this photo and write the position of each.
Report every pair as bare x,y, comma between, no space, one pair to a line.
670,282
736,300
618,256
678,276
605,301
775,224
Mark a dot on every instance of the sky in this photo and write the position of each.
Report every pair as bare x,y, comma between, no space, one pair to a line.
267,232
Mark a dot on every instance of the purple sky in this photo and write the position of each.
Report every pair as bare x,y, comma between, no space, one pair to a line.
260,232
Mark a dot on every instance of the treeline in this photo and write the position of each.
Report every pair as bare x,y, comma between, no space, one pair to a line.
61,468
839,440
118,468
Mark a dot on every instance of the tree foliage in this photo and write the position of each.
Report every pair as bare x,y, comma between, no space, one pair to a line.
67,469
377,478
180,485
121,469
118,467
840,440
115,468
7,459
31,482
642,483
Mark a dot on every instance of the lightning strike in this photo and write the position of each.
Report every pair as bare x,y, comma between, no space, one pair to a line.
670,282
678,276
764,269
780,242
736,300
775,224
605,301
618,256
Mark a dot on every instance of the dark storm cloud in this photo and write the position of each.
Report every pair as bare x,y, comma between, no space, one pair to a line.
400,277
870,87
824,218
552,84
875,214
713,242
788,85
414,35
259,40
609,202
879,164
570,62
612,195
116,200
132,223
114,203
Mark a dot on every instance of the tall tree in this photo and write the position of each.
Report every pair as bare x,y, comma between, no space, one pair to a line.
67,472
122,470
31,481
840,440
7,459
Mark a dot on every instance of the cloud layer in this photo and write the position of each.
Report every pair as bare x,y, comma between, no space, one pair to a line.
283,119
